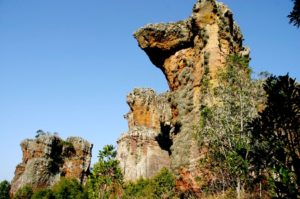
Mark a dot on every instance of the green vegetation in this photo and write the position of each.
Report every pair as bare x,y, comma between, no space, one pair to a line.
4,189
252,131
222,125
294,16
24,193
43,194
68,189
106,178
160,186
276,138
64,189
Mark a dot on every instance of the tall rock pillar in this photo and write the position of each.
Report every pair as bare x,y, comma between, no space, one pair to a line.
190,53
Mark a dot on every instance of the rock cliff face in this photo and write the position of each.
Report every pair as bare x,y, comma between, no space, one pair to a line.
161,127
145,149
48,158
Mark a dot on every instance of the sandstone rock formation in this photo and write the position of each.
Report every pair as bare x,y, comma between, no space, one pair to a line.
144,150
48,158
189,53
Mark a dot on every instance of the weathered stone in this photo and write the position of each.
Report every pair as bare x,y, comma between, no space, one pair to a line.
147,109
144,149
48,158
188,52
140,154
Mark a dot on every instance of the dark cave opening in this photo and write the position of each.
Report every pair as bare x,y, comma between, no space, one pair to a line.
164,140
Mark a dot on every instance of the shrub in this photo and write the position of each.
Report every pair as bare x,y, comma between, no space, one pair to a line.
43,194
4,189
164,184
24,193
68,189
140,189
160,186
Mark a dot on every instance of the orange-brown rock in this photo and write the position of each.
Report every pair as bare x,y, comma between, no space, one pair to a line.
144,149
189,53
48,158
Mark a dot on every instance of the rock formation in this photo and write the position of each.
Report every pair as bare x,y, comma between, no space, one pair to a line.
145,149
48,158
162,127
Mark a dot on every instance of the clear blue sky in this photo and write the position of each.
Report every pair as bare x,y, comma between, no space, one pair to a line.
67,66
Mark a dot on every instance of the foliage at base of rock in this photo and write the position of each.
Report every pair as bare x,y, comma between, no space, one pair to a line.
4,189
160,186
68,189
24,193
43,194
64,189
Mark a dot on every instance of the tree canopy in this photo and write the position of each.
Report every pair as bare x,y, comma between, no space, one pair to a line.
276,137
294,15
4,189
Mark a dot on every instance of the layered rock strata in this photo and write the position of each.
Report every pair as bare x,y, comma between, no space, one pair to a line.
48,158
190,53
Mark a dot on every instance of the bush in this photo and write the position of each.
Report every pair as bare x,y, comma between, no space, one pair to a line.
43,194
4,189
68,189
24,193
164,184
160,186
140,189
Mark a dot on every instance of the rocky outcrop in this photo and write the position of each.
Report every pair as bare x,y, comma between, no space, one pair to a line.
145,148
48,158
190,54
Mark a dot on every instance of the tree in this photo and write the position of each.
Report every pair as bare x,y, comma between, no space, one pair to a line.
294,16
276,137
39,133
106,178
231,104
4,189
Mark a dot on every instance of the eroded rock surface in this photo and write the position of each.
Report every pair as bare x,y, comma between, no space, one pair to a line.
145,148
48,158
190,53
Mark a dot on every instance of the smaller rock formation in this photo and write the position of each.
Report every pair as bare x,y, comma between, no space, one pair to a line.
144,149
48,158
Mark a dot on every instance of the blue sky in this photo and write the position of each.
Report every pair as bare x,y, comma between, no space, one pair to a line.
67,66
